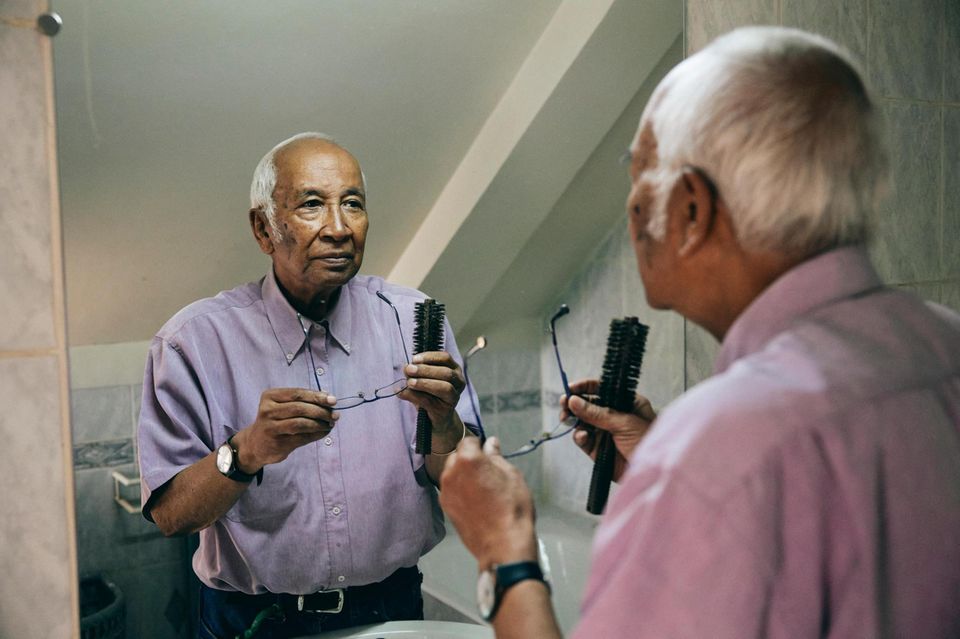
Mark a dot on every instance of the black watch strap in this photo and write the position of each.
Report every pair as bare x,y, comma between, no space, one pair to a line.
238,475
511,574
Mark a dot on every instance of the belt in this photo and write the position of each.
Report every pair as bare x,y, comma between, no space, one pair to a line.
331,601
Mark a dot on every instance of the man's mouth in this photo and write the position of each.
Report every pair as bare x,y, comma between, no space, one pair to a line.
335,259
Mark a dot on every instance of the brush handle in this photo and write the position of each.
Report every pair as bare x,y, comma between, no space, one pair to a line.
602,473
424,442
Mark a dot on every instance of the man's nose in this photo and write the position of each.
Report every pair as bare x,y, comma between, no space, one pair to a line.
335,225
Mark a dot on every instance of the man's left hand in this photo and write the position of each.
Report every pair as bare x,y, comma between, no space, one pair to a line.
434,383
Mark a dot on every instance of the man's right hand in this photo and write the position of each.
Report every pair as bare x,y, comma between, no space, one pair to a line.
287,418
627,429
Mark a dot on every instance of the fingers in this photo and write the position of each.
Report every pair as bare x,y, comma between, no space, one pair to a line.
450,374
283,395
492,446
604,418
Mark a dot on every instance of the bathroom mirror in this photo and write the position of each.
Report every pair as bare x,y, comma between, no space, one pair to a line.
489,133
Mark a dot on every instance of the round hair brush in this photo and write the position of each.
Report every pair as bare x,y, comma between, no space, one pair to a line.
621,370
427,336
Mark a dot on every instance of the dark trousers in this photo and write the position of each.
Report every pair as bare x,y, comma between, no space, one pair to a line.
225,615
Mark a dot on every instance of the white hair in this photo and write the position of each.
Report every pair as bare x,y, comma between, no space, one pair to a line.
265,177
783,124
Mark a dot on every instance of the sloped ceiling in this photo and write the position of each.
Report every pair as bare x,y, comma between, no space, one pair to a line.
471,119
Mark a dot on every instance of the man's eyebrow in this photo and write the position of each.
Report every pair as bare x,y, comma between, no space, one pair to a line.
354,191
306,192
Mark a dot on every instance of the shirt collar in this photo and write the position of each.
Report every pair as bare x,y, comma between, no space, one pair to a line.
821,280
287,326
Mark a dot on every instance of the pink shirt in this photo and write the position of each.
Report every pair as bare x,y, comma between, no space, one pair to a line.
811,488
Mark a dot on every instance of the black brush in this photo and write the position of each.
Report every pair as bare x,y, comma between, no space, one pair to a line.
427,336
621,370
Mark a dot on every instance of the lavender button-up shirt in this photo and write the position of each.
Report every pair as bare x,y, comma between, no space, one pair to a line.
347,510
811,488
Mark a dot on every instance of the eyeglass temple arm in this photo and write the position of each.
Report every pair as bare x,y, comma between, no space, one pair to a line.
563,310
403,342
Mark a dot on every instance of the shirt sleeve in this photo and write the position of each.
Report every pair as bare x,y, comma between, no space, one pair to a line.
468,407
174,426
669,563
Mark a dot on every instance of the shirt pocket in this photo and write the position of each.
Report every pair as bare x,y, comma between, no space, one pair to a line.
274,499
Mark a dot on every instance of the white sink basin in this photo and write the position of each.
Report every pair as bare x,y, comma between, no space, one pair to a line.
411,630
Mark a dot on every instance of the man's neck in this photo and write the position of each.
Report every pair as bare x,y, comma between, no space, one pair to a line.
317,307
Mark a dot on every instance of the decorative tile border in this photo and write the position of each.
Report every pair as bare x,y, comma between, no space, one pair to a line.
488,404
115,452
517,401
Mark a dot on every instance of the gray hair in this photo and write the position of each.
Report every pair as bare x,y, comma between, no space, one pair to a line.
784,125
265,177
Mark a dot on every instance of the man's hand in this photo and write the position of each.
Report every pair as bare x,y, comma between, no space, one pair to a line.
287,419
489,503
434,383
627,429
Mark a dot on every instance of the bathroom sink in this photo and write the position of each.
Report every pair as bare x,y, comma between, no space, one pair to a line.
411,630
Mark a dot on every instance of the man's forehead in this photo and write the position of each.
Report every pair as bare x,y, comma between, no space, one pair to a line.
308,160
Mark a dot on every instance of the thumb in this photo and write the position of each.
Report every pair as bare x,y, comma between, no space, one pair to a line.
492,446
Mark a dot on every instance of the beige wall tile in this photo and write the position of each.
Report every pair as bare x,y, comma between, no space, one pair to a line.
701,352
26,268
34,559
951,54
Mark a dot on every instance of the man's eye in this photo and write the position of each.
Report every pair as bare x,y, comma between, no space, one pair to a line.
312,204
353,204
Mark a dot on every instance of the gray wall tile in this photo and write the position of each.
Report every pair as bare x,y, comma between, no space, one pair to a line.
951,55
707,19
26,268
906,245
101,413
905,48
927,291
149,592
844,22
35,558
950,294
951,191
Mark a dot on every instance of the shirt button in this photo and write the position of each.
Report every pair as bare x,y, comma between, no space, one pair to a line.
346,347
319,371
336,510
289,357
341,578
328,441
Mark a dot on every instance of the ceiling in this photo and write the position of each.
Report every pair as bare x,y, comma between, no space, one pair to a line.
472,120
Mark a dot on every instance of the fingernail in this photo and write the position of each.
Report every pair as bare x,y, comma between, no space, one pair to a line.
411,369
331,400
576,402
412,382
417,359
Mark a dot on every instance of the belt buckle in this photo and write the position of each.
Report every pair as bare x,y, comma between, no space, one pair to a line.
339,591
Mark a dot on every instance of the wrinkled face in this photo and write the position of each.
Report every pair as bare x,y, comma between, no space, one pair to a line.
320,211
641,202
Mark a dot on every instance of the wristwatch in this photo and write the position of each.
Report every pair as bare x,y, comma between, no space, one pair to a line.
227,464
494,582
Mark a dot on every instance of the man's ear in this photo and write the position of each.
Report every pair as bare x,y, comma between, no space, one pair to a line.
261,230
696,210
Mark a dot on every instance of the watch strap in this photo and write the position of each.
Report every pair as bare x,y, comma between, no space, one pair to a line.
238,475
509,575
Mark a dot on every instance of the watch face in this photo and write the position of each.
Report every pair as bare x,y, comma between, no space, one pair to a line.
486,593
224,459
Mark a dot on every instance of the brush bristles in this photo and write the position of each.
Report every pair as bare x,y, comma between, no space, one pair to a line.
428,328
621,365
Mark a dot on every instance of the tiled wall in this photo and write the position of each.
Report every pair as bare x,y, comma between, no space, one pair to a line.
152,571
910,51
38,592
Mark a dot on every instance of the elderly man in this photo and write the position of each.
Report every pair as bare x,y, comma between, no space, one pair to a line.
811,488
272,423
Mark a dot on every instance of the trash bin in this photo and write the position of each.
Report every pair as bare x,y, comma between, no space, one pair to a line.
102,609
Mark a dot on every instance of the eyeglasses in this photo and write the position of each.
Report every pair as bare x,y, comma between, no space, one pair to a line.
571,422
363,397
